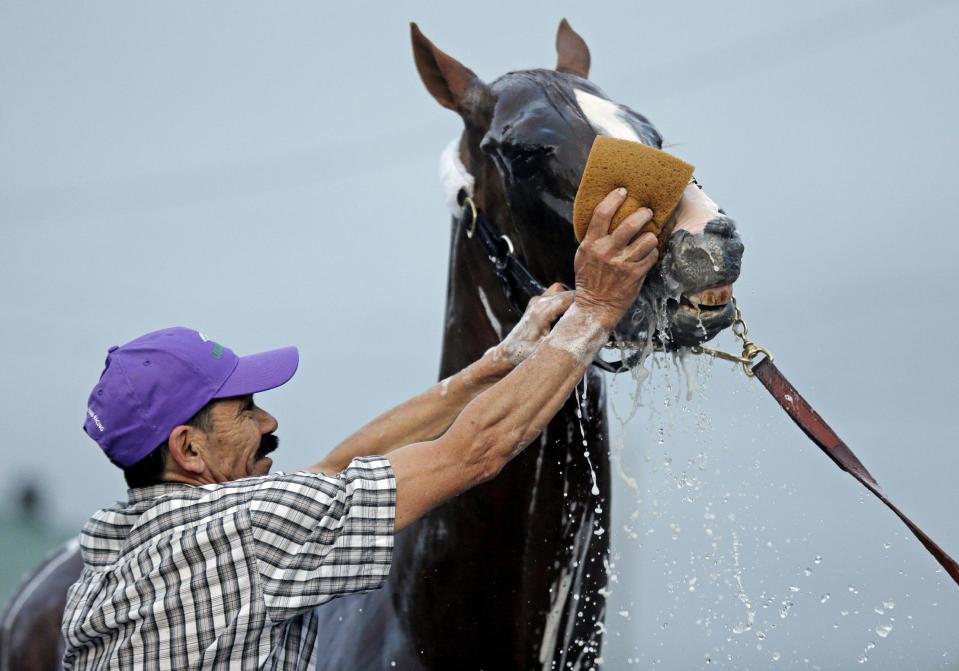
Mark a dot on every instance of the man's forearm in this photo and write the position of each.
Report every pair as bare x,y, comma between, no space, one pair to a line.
501,421
421,418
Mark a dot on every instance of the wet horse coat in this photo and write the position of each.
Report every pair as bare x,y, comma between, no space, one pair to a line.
512,574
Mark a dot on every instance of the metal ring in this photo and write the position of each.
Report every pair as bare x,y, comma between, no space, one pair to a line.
509,243
472,227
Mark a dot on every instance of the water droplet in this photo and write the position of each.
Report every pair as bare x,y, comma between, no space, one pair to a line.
624,613
761,635
793,589
853,590
883,630
862,659
870,645
818,559
889,605
807,571
776,656
824,598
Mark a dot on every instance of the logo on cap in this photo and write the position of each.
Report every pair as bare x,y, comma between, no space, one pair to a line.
96,420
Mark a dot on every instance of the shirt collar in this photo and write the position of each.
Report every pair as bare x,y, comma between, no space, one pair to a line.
138,494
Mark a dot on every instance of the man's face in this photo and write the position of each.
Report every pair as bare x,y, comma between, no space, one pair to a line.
241,438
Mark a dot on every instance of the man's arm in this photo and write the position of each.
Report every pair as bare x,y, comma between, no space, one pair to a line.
501,421
428,415
423,417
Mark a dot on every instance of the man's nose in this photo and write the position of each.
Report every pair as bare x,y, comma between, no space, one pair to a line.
268,423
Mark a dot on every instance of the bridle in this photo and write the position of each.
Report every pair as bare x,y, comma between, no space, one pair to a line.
520,285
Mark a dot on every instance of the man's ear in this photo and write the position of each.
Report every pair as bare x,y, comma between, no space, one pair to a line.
186,445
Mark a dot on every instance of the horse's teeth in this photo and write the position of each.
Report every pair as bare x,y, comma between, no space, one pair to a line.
713,297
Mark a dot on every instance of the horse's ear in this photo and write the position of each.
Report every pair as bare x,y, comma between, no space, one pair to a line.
572,52
453,84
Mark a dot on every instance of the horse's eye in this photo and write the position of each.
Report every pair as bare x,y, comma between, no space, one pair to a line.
524,162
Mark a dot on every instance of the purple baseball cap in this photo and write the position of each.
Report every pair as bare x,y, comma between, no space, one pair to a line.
160,380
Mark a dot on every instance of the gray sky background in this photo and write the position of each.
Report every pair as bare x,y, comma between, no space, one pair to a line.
267,173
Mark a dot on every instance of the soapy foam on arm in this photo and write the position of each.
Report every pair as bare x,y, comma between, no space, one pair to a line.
579,333
520,343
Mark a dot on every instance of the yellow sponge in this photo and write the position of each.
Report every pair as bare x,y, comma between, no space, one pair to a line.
652,178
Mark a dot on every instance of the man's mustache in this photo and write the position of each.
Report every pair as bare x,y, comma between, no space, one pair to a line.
268,443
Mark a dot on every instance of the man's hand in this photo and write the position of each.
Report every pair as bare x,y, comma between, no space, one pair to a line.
541,313
610,267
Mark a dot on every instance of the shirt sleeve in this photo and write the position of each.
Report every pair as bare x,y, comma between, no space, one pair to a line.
317,536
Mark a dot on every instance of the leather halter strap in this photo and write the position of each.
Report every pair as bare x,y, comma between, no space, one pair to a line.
822,434
518,283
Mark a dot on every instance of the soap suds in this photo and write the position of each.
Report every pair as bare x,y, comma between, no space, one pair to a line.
583,336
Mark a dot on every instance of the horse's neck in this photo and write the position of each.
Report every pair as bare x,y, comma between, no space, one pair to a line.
478,314
509,555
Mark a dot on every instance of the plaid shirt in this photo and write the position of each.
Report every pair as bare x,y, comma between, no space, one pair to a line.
227,575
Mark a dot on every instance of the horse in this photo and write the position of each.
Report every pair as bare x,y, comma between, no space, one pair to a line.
512,574
30,624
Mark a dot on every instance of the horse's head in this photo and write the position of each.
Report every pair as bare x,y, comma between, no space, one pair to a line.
521,156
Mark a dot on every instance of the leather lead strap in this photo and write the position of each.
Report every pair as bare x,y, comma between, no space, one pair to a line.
820,433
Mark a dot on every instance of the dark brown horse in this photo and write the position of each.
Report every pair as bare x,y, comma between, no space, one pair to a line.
510,575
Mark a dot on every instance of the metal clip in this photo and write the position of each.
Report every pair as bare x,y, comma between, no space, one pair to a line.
750,349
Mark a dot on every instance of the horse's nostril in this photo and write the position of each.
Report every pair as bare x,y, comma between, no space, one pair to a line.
721,225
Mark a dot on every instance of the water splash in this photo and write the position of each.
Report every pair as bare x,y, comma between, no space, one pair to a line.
582,432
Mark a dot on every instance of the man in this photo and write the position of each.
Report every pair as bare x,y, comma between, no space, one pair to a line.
215,563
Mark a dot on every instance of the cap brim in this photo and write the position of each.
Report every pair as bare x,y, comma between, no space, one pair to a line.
260,372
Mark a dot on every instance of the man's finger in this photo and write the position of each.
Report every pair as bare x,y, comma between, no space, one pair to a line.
627,231
646,262
603,214
556,305
639,248
554,289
